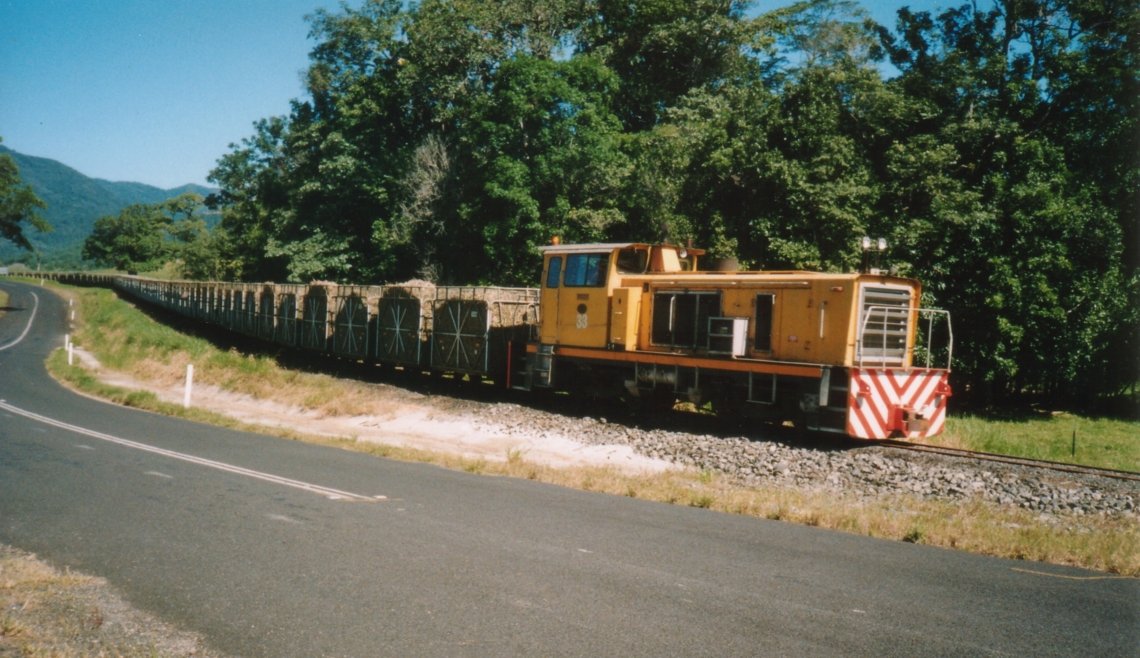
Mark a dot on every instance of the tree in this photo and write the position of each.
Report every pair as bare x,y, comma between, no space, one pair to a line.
774,167
542,156
377,173
663,49
18,205
999,206
254,189
303,197
130,241
146,236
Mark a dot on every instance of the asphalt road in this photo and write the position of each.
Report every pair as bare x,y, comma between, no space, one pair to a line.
239,537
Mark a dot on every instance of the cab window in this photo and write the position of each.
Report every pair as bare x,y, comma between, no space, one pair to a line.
586,270
554,272
633,261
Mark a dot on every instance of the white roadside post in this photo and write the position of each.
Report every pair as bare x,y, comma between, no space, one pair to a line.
189,385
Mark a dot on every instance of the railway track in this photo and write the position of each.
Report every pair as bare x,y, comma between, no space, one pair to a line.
1018,461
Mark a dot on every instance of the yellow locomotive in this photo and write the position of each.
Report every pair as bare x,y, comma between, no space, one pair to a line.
833,352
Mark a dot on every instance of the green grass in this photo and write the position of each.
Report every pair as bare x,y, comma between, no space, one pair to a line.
127,338
1100,442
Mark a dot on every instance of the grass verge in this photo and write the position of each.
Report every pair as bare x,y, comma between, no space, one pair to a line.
1059,437
126,339
46,612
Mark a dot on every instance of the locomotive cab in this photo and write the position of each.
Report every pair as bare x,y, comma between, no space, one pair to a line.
583,286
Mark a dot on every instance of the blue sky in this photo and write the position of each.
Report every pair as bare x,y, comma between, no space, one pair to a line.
155,91
151,91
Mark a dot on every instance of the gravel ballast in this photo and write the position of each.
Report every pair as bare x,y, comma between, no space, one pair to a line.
861,471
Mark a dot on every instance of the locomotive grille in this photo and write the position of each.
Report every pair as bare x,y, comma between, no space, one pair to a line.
884,325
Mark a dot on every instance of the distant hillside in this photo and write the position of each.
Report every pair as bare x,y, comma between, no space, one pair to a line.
74,202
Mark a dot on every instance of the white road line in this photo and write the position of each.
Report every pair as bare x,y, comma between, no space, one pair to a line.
31,318
283,518
1064,577
327,492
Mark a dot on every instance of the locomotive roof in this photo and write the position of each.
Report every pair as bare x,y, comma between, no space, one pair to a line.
593,247
710,276
744,277
598,247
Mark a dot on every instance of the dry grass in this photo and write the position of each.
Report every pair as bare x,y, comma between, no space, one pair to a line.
46,612
130,342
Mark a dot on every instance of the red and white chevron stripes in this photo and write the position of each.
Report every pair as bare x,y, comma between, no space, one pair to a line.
885,402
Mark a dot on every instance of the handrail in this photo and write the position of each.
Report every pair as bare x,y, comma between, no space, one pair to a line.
887,311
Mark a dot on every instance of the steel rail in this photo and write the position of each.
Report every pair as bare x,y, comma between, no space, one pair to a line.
1008,459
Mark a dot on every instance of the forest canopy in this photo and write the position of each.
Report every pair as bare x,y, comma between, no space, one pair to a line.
994,144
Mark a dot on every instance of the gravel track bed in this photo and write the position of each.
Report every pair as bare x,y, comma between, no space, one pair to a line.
828,466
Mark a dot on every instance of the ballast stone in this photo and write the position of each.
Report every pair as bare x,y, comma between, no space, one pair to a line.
866,472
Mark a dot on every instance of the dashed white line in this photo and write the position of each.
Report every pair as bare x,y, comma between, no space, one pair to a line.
327,492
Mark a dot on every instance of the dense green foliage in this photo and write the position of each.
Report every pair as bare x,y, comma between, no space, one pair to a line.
144,237
448,139
73,203
19,205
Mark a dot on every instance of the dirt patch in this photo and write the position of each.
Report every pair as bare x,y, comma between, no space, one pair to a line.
406,420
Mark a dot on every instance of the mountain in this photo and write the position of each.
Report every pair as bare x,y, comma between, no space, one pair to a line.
74,203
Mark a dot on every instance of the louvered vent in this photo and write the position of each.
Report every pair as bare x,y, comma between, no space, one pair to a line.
884,325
